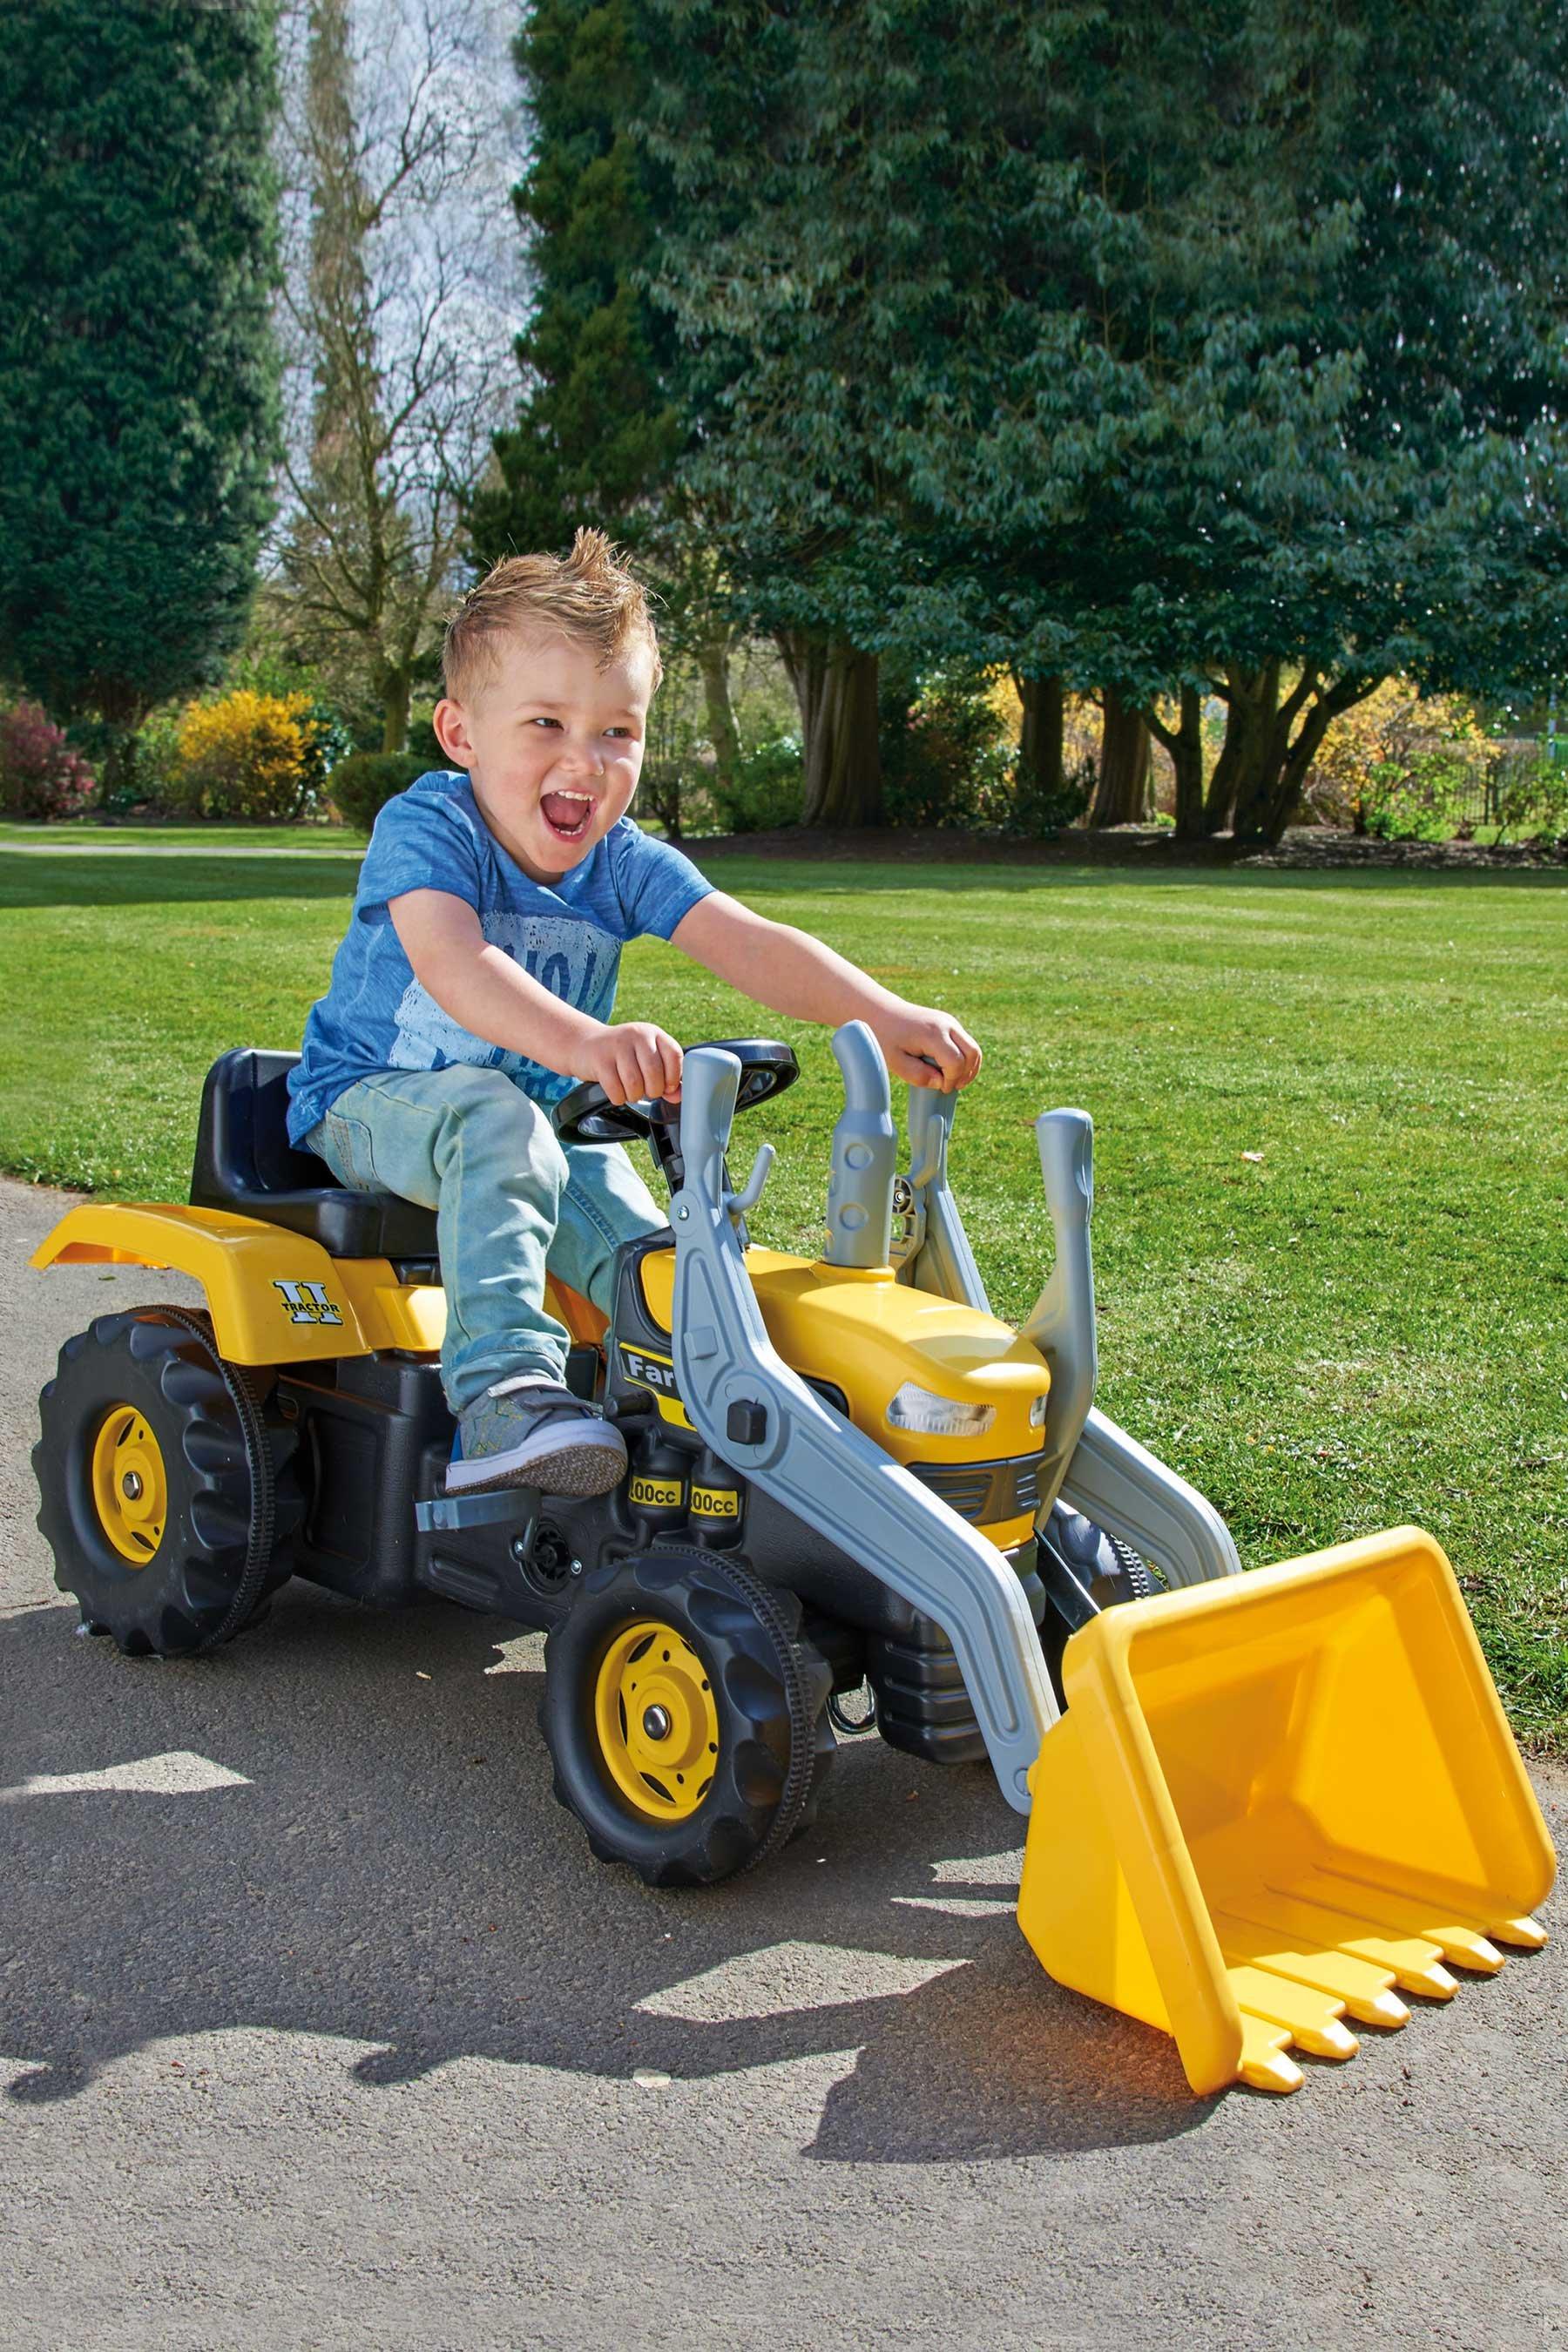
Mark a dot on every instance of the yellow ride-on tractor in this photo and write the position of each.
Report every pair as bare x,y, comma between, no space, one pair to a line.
1258,1805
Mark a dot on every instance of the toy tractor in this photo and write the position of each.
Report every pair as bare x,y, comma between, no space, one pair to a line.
1268,1800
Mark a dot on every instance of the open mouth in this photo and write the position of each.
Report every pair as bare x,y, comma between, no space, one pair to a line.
567,815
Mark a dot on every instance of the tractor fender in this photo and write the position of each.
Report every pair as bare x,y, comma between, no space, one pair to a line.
275,1296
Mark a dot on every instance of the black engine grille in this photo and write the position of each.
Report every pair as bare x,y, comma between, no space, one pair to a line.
984,1493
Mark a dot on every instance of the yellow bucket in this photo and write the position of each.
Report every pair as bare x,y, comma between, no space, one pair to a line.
1275,1799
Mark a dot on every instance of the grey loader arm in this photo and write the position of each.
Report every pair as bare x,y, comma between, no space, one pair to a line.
1090,1464
759,1417
942,1262
1125,1490
1062,1323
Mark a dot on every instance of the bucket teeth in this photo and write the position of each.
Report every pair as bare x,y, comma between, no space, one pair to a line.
1363,1991
1297,1968
1414,1963
1313,2019
1527,1934
1264,2066
1460,1940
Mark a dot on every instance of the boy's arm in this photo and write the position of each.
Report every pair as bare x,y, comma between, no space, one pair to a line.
791,972
480,987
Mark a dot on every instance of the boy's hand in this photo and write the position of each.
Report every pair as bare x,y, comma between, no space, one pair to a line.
633,1058
927,1048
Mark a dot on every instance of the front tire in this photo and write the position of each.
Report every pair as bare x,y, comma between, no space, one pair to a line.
1109,1571
685,1716
165,1487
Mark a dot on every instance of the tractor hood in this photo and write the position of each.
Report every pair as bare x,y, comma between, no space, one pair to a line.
869,1336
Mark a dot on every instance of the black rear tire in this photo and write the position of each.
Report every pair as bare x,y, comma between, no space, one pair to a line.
743,1697
166,1488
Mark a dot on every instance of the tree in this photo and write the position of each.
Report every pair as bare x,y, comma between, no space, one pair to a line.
1151,351
137,371
1336,445
1451,143
598,432
803,264
398,296
990,284
1121,794
606,408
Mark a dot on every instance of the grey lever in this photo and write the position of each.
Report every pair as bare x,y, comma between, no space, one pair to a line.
942,1261
864,1151
751,1192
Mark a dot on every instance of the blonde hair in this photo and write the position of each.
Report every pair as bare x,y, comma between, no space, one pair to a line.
591,597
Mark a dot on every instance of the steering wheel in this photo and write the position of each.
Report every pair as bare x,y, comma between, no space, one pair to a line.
588,1116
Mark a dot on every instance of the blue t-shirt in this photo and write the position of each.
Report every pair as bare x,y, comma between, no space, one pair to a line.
567,935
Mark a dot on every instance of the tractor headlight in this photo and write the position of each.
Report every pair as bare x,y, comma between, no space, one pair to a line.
938,1416
1037,1412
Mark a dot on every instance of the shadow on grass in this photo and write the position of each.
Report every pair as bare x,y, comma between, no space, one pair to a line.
123,877
390,1870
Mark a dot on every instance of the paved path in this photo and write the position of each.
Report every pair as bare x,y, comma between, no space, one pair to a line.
320,2027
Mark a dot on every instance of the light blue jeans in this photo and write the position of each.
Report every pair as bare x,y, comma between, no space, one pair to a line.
510,1200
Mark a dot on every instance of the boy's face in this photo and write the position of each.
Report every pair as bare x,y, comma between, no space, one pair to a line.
554,747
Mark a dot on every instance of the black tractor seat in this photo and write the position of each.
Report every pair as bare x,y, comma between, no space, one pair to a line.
246,1162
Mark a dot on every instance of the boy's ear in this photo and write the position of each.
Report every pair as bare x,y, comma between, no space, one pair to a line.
451,729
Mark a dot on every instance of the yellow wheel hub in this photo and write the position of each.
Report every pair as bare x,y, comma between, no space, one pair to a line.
657,1722
130,1485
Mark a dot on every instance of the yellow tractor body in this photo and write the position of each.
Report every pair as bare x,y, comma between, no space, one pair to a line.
1276,1804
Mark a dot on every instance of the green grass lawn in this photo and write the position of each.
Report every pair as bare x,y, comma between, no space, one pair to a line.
1332,1222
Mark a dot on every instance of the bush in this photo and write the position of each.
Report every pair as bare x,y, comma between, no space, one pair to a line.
250,756
665,793
40,775
1532,800
1432,793
150,781
425,745
768,789
360,786
1034,813
945,759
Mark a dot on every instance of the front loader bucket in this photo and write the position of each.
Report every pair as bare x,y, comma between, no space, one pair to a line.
1273,1800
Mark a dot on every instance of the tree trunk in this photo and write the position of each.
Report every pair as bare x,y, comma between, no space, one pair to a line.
1122,795
713,661
1264,816
395,689
1252,698
659,790
1270,745
118,782
120,711
836,688
1040,738
1184,742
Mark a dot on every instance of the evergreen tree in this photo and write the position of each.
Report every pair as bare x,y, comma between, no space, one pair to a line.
598,431
1188,348
606,406
137,379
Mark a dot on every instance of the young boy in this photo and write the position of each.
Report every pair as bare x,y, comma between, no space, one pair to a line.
475,985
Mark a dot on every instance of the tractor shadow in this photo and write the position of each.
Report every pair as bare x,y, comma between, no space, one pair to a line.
388,1867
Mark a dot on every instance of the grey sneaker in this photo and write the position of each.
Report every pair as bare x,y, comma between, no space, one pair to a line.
534,1435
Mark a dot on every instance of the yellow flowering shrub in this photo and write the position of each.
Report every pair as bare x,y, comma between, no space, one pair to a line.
251,756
